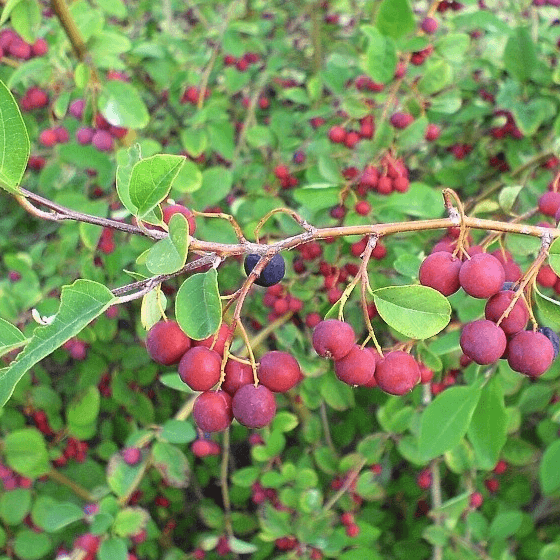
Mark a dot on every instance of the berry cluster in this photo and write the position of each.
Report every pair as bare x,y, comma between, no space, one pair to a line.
12,44
500,334
396,372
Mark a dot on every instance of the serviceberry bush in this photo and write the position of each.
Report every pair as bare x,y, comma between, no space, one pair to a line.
280,280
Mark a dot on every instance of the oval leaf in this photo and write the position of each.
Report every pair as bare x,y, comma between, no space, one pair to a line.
80,303
549,309
554,256
549,473
151,180
170,254
121,105
172,464
14,142
198,307
415,311
52,516
446,420
26,452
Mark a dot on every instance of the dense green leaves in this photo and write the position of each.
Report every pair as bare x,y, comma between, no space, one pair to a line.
198,308
415,311
80,303
14,142
381,56
395,18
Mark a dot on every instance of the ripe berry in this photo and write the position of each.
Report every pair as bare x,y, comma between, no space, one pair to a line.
272,273
511,268
205,447
166,343
347,518
40,47
440,271
482,276
492,484
553,337
429,25
384,185
549,203
546,277
102,141
397,373
363,207
84,135
168,211
424,479
352,530
279,371
254,407
337,134
352,138
401,120
212,411
432,132
76,108
518,316
357,367
237,375
131,455
530,353
400,184
483,341
333,339
200,368
500,468
476,500
48,138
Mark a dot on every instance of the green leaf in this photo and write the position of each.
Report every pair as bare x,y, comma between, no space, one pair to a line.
198,307
26,18
127,160
172,464
113,549
115,8
130,521
284,421
121,105
529,115
80,303
84,408
505,524
520,57
216,184
170,254
152,304
337,395
549,473
10,337
7,10
245,477
415,311
14,505
381,58
395,18
194,141
508,196
446,419
177,431
26,452
173,381
317,196
14,142
29,545
52,515
151,181
488,428
554,256
122,477
518,452
549,309
241,547
437,76
189,178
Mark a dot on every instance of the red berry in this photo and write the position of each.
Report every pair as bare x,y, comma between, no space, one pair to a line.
357,367
492,484
223,334
347,518
337,134
169,211
48,138
549,203
212,411
501,467
132,455
424,479
200,368
363,207
166,343
440,271
483,341
352,530
530,353
279,371
333,339
482,276
476,500
518,316
432,132
401,120
254,407
429,25
397,373
237,375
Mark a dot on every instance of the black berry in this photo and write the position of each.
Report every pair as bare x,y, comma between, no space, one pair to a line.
273,272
